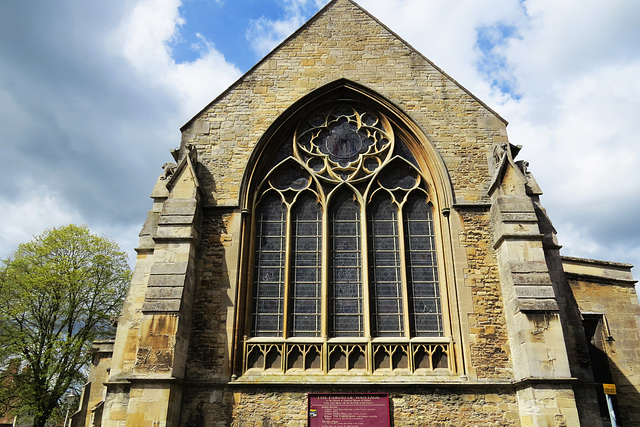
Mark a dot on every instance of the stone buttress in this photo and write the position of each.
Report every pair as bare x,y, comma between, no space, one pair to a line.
536,338
145,386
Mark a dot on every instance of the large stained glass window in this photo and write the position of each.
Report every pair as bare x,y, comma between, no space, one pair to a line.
344,241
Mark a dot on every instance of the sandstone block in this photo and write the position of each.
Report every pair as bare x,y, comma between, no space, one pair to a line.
169,268
170,305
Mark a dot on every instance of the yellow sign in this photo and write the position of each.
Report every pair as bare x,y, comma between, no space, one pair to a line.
609,388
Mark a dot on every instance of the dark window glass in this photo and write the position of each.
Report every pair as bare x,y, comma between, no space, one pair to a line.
422,273
305,274
384,258
345,288
268,283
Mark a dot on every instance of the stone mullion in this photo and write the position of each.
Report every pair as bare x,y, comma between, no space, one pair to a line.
404,277
364,266
324,274
239,350
248,297
366,298
324,288
287,274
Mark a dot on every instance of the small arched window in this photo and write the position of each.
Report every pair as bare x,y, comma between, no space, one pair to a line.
345,259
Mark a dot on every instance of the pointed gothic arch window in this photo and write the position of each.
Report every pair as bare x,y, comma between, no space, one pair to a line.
345,252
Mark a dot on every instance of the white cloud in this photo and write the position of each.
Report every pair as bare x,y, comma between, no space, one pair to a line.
144,39
90,101
573,37
38,209
34,211
202,80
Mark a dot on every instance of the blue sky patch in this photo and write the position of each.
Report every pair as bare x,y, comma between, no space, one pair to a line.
223,23
493,64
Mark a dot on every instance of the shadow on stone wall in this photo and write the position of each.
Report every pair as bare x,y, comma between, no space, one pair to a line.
627,400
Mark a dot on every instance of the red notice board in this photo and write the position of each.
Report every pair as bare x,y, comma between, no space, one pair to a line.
348,410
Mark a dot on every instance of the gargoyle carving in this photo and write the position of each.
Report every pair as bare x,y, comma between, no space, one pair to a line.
498,153
169,169
524,166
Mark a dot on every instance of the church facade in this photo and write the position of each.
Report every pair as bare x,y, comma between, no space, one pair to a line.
344,221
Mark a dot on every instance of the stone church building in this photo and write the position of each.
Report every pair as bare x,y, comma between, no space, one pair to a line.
348,225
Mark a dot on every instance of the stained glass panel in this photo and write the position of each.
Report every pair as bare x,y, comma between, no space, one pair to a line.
345,289
268,284
305,275
424,298
384,258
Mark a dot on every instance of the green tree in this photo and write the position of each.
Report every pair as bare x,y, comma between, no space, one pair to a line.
58,293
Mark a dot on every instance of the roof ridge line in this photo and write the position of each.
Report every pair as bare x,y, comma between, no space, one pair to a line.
467,91
307,24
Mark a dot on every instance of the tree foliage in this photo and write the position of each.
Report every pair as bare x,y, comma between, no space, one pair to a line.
58,293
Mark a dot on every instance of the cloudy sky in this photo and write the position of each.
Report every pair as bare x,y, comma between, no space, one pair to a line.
93,93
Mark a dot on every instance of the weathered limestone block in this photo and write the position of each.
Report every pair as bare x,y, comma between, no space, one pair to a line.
517,236
153,404
157,343
167,283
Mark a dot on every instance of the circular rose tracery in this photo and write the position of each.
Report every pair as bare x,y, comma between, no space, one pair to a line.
346,143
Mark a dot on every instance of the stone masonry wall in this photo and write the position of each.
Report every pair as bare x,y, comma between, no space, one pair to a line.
208,353
346,43
620,306
436,407
488,333
288,408
210,407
